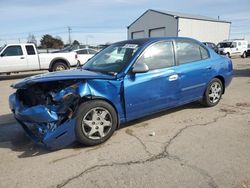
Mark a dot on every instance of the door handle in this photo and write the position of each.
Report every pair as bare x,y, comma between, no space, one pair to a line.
173,77
21,57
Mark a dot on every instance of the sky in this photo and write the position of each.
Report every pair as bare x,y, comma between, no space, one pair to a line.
102,21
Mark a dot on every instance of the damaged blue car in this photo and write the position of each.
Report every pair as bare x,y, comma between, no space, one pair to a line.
123,82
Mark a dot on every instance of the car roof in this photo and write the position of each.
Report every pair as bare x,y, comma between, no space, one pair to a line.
85,49
143,41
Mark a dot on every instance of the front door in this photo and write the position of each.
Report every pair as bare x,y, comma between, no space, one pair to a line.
12,59
149,92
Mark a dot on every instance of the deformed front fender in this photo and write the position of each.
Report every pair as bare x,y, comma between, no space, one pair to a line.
111,91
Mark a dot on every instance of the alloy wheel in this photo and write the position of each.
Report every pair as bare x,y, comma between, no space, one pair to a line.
60,68
215,92
97,123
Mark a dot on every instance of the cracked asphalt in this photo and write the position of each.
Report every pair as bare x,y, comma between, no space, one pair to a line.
192,147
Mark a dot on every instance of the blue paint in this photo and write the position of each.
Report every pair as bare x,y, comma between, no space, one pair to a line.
132,95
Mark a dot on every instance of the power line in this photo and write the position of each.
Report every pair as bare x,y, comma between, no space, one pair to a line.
34,31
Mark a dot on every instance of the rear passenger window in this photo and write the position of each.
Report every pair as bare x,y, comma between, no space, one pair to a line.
204,53
189,51
82,52
30,50
158,56
92,51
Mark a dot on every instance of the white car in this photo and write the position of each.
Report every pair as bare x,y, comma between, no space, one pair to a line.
24,57
85,54
236,47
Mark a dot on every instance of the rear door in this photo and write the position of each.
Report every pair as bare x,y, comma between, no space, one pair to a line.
149,92
32,57
13,59
83,56
235,49
194,69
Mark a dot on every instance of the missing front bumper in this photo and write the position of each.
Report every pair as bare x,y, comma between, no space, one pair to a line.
34,121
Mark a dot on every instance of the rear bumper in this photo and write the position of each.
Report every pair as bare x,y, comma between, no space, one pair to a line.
35,121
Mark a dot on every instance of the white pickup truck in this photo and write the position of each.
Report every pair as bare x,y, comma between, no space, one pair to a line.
24,57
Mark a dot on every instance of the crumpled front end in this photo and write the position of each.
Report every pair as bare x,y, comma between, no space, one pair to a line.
47,111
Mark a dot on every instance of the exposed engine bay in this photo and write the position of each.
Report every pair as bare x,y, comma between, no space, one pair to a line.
59,98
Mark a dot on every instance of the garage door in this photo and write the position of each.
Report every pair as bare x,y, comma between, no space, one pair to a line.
137,35
158,32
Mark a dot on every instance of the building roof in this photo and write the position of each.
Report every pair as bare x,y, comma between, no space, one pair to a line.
182,15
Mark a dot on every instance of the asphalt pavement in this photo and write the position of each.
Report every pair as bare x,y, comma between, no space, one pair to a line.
189,146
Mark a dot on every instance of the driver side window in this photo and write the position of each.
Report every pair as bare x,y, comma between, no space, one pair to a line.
13,51
158,56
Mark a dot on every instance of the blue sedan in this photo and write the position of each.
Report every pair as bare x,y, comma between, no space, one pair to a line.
125,81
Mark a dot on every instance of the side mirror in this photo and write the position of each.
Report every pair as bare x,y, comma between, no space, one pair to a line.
140,68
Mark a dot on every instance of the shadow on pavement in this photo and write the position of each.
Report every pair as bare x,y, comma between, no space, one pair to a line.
7,119
193,105
241,73
13,137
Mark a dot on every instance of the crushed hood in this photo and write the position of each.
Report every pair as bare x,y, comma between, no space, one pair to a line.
62,75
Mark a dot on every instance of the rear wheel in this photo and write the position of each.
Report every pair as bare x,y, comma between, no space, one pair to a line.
59,66
96,122
228,55
213,93
244,55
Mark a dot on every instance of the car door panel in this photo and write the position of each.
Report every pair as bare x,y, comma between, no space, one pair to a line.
32,58
149,92
156,89
13,59
192,81
194,70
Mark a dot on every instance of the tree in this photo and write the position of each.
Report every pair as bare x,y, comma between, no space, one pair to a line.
49,41
76,43
32,39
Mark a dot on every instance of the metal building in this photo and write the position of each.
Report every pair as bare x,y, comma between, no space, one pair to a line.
154,23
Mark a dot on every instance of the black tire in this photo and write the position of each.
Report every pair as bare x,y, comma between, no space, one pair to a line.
244,55
84,110
228,55
59,66
209,101
78,64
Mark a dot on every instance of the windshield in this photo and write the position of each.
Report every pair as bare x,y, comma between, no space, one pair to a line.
2,47
112,59
224,45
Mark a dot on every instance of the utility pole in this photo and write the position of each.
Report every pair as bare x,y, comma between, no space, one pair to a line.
69,31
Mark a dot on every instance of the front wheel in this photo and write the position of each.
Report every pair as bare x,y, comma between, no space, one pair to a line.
213,93
96,122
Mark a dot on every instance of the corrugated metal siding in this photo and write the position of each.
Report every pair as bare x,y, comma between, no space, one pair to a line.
206,31
152,20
